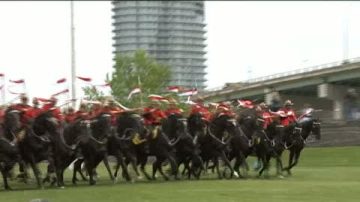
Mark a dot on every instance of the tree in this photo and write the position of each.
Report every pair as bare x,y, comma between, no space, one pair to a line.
139,70
91,93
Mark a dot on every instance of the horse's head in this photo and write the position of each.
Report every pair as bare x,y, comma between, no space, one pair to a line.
175,125
226,123
45,123
196,124
126,121
101,125
12,123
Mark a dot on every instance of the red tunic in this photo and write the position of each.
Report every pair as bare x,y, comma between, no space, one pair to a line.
70,117
32,113
170,111
202,110
57,114
114,112
22,108
2,115
268,119
155,116
288,116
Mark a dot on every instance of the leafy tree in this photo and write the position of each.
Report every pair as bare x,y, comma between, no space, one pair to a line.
91,93
139,70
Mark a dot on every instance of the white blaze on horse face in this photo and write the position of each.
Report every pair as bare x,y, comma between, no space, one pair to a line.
232,121
53,120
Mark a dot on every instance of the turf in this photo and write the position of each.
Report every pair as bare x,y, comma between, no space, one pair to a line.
323,174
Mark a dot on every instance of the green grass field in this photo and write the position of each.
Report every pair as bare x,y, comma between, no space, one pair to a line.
323,174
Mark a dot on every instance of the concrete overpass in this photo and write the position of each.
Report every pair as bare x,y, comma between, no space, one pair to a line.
322,86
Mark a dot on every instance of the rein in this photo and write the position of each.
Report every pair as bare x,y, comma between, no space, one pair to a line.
214,137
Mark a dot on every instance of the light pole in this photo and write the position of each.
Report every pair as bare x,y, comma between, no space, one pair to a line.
73,70
346,32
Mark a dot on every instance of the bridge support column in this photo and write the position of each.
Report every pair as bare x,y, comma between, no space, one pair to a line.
268,95
335,93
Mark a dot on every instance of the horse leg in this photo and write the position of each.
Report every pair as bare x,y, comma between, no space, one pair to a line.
296,159
36,172
155,167
74,178
107,166
196,163
142,162
4,175
238,161
77,169
90,170
227,163
267,165
159,167
80,170
62,177
216,164
174,166
60,183
279,166
291,157
133,162
120,161
262,159
24,175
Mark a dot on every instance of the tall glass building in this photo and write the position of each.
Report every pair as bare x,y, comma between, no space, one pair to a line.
171,31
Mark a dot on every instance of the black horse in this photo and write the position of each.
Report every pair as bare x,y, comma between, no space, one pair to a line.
295,143
9,152
215,143
265,144
94,146
37,144
149,141
129,133
66,148
175,127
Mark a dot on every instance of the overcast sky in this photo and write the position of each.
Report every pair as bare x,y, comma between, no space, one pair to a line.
245,39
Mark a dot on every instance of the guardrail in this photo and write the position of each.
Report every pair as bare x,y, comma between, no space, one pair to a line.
293,72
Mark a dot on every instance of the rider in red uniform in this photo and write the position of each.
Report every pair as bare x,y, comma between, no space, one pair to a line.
287,114
263,111
113,110
82,113
153,114
23,107
33,111
70,115
2,114
51,106
224,108
173,109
